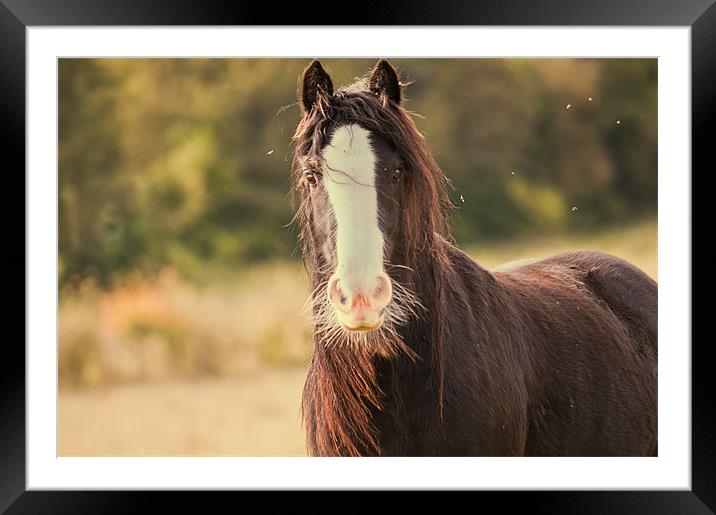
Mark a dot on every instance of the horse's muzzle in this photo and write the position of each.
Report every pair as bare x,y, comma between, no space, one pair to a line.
360,309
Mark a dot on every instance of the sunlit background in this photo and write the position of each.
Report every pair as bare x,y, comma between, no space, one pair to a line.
181,329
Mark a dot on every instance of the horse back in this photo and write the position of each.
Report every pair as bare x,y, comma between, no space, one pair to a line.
627,291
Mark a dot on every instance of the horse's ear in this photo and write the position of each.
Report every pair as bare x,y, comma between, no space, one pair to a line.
384,82
315,82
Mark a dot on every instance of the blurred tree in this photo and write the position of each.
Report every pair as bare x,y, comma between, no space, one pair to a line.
186,161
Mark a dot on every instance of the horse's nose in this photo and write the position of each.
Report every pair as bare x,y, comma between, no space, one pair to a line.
352,300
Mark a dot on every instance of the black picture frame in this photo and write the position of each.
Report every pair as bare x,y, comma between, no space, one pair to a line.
17,15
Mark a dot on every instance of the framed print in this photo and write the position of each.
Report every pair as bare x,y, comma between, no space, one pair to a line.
179,212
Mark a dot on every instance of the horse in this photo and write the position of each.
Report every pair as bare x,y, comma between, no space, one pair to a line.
420,351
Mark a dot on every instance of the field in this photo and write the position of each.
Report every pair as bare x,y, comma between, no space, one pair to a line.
168,366
257,414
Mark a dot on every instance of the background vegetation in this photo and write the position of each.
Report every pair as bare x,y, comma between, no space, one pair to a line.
185,161
180,327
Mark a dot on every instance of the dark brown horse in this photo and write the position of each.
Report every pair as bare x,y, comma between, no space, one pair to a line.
418,350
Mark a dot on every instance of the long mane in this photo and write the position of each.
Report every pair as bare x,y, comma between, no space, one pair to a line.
343,388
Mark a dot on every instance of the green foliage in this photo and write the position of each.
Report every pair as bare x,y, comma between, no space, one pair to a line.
186,161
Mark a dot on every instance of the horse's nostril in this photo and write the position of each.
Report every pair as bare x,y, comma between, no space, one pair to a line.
383,290
380,289
339,292
336,294
359,300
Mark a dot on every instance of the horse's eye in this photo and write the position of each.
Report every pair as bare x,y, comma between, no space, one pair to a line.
311,178
397,174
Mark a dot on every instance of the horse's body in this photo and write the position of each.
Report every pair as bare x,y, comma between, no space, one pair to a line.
542,364
553,358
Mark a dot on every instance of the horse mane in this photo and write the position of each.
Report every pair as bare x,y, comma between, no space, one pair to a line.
342,390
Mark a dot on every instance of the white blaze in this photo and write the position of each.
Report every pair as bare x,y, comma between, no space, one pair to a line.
349,179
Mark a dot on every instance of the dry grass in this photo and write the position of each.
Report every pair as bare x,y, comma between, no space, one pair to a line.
155,329
165,367
256,415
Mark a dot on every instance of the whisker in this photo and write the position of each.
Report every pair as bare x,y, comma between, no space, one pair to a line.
386,341
391,265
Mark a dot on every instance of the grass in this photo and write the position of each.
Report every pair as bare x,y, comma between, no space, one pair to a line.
164,366
253,415
166,327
